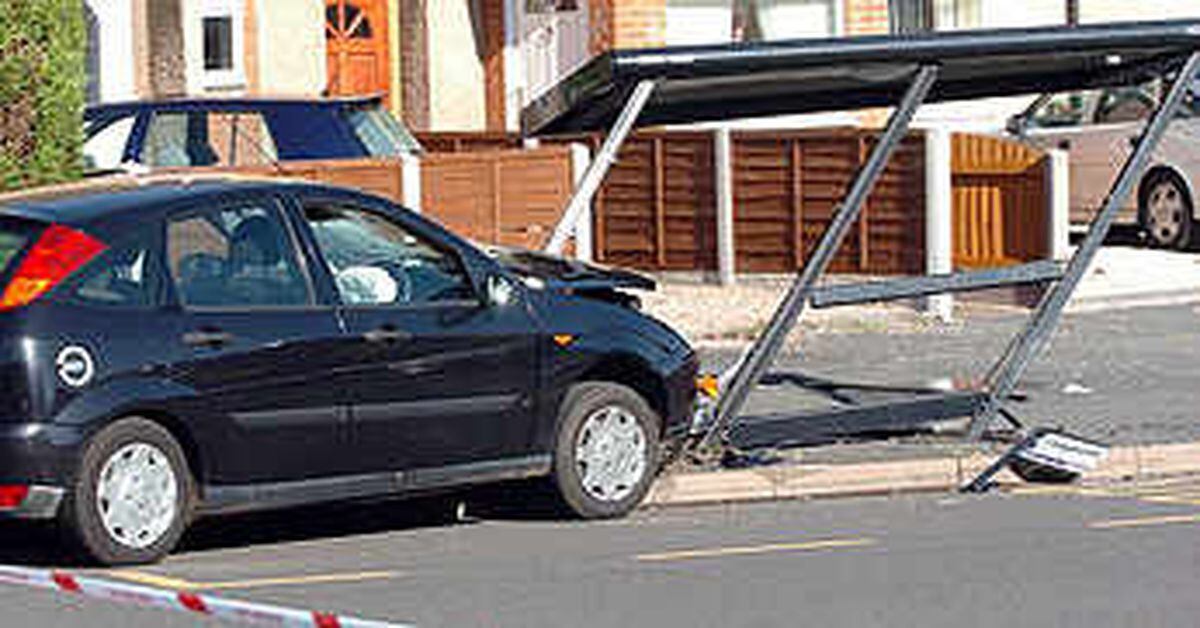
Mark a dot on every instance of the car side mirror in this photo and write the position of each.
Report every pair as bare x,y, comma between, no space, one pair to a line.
501,291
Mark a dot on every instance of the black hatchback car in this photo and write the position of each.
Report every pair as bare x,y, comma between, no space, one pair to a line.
177,347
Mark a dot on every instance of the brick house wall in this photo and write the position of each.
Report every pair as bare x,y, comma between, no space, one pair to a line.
627,24
866,17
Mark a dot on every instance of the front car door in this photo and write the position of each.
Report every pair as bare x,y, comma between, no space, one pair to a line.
258,350
443,379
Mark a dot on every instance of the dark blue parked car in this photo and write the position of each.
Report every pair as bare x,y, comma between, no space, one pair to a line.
173,347
240,132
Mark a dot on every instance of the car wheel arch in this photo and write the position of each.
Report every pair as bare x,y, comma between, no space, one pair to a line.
179,431
635,373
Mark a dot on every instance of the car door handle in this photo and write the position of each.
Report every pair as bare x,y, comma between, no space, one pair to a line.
207,338
387,335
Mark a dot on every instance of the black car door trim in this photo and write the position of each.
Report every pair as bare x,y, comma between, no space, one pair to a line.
427,408
295,417
227,498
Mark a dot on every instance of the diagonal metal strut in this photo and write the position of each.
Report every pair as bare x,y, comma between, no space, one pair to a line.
598,169
767,346
1007,372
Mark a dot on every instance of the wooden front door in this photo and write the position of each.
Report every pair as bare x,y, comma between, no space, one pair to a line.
356,41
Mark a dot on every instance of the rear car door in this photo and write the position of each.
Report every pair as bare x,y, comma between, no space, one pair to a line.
441,378
260,352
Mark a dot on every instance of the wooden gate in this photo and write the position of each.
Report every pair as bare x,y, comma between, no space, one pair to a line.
1001,208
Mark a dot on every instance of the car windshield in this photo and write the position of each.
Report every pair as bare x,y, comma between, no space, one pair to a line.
380,133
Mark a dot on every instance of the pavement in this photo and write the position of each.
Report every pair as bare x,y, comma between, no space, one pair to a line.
1124,276
1063,556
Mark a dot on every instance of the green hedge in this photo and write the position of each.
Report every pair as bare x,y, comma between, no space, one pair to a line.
43,45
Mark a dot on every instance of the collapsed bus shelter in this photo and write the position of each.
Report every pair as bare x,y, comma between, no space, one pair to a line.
622,90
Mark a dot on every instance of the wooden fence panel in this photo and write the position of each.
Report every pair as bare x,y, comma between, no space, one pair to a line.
507,197
786,187
511,197
656,209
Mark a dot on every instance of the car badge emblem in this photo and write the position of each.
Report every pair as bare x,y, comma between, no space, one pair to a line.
75,366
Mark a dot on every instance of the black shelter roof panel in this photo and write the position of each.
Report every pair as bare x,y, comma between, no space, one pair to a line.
702,83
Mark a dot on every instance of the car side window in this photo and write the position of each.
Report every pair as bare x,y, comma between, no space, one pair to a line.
208,138
1061,110
125,276
375,261
1129,104
240,256
104,148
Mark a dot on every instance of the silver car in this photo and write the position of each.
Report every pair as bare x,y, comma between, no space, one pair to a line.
1098,130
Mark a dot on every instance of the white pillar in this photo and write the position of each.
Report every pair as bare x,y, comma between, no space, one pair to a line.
723,174
410,182
939,208
1059,195
584,248
514,64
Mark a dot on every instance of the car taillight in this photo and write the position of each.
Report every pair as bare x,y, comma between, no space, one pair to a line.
12,496
59,252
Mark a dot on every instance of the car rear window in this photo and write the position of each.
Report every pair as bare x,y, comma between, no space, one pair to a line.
15,234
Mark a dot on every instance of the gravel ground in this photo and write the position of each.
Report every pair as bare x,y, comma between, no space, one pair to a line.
712,314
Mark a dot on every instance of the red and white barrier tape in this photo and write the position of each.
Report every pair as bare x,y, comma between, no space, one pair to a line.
215,607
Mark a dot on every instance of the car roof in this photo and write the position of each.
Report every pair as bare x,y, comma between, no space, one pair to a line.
114,197
108,110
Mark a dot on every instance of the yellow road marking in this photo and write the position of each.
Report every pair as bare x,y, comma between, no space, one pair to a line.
754,549
180,584
1144,522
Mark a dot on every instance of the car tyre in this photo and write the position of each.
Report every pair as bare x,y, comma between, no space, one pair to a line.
133,496
607,451
1165,211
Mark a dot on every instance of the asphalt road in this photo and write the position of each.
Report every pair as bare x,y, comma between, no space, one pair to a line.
1029,559
1062,559
1122,377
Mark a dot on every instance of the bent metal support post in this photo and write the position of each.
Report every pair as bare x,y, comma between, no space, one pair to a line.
598,169
762,353
720,82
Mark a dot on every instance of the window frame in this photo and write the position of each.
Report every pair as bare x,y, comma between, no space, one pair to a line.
320,266
275,206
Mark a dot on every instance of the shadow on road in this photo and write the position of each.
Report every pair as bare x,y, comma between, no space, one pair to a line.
42,545
1130,236
32,545
508,501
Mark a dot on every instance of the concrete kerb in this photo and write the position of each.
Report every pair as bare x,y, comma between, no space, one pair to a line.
800,481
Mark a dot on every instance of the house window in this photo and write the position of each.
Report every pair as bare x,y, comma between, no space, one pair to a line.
721,21
914,16
221,43
218,43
